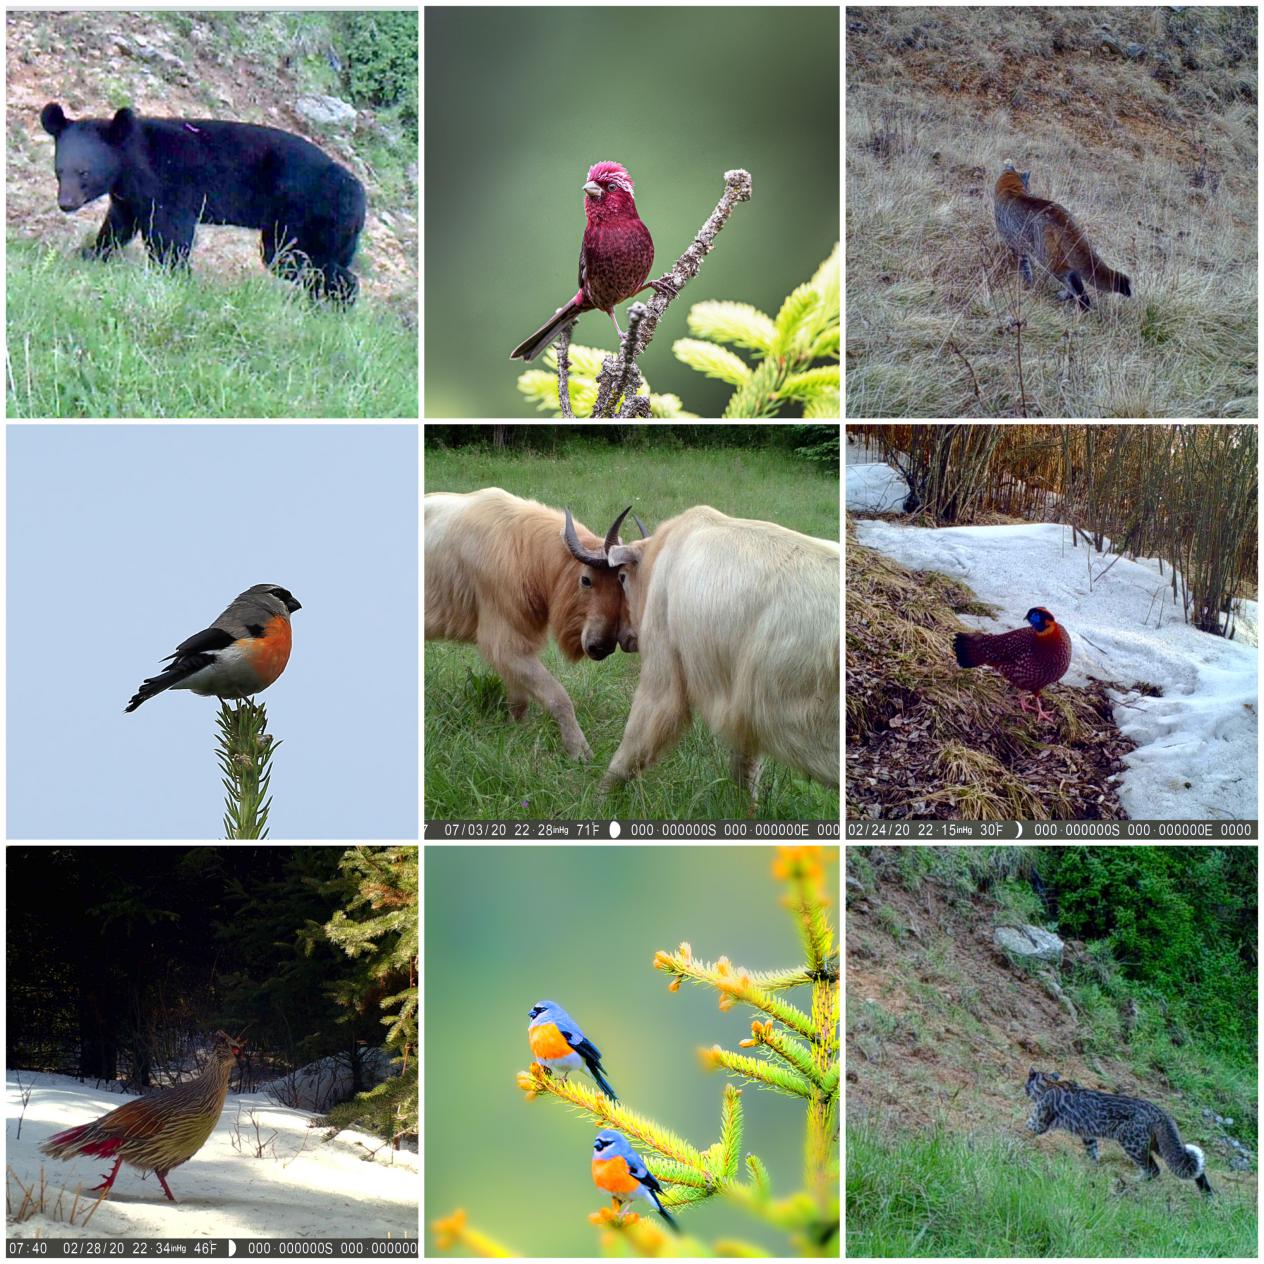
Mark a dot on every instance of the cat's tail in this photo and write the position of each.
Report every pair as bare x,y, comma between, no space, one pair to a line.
1185,1161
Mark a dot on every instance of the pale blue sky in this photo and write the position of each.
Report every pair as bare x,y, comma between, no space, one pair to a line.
124,540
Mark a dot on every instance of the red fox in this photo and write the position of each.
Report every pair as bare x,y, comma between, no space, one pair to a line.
1034,226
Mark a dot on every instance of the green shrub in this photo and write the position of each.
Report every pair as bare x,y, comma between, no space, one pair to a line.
381,61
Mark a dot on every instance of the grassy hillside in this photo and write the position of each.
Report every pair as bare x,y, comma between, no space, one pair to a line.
123,339
942,1028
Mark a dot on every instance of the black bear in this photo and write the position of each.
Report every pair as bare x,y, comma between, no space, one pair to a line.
164,175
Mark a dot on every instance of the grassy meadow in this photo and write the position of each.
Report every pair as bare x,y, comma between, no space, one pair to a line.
943,1193
479,764
126,338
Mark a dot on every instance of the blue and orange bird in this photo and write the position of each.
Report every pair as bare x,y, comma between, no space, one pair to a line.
559,1044
617,1168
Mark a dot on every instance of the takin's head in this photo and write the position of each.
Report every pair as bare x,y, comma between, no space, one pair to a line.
634,564
596,615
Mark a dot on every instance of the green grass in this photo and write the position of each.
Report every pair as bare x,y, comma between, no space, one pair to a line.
479,764
938,1193
123,338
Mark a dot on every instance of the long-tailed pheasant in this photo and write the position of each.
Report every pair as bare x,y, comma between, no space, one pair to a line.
1031,658
160,1131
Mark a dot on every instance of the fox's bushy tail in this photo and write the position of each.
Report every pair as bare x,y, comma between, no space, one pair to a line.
1119,283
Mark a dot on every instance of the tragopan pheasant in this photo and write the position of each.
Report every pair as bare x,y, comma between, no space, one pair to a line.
160,1131
1031,658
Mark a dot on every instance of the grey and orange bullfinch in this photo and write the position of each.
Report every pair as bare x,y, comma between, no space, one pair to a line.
240,654
617,1168
557,1042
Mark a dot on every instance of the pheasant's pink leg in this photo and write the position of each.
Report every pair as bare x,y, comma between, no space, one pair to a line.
1041,713
104,1187
162,1180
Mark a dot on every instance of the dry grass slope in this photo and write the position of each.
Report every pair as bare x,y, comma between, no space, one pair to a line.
1141,122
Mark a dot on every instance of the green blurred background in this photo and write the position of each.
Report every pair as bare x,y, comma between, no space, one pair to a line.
521,102
509,926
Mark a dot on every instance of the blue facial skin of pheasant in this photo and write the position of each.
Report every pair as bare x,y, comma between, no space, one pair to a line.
1031,658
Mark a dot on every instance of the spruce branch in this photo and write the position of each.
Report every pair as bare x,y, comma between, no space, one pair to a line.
634,1126
244,752
806,329
801,867
811,1071
798,1055
731,1131
681,960
735,986
766,1073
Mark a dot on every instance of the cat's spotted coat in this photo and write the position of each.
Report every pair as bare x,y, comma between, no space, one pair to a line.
1139,1126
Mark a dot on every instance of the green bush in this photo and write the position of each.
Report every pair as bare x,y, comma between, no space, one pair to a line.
381,61
1178,919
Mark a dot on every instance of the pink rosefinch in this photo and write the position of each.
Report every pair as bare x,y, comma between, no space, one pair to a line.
614,258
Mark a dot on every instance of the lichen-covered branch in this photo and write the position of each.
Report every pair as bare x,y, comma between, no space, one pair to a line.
737,188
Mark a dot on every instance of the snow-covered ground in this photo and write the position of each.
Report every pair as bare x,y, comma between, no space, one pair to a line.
1196,755
302,1187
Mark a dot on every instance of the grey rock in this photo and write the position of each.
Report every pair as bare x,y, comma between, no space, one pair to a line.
327,111
1028,941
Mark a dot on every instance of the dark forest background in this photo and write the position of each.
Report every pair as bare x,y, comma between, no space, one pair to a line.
121,959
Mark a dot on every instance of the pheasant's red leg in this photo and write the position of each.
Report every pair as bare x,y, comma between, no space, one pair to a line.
104,1187
162,1180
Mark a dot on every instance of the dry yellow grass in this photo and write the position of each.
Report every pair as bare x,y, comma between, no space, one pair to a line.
1140,121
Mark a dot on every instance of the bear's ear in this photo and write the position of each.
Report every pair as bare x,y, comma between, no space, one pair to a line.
52,120
1024,176
120,127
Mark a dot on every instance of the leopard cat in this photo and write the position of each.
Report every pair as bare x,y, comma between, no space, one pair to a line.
1139,1126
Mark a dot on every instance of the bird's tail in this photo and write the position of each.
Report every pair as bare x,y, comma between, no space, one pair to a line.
662,1211
971,648
603,1083
155,685
84,1139
547,332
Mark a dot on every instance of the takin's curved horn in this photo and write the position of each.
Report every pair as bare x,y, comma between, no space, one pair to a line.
612,536
639,523
577,550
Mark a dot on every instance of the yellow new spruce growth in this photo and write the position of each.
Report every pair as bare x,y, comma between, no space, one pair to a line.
454,1230
796,1053
537,1079
785,351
